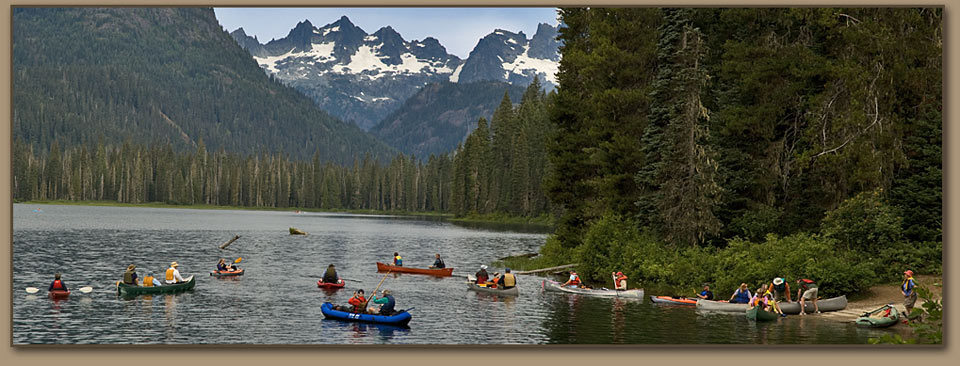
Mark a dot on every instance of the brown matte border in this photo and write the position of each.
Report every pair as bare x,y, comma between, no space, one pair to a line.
462,355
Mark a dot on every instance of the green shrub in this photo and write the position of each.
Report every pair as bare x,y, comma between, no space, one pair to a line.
924,257
757,223
864,223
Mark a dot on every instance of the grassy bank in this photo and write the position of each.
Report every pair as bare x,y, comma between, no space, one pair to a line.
216,207
500,218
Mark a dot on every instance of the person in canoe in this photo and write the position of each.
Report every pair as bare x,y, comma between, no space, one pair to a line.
780,288
619,281
574,280
149,280
57,284
482,275
130,276
438,263
741,295
331,276
222,266
907,289
494,280
397,259
357,301
387,304
508,280
706,294
809,290
173,274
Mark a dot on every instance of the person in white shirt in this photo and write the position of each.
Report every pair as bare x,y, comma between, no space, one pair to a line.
173,275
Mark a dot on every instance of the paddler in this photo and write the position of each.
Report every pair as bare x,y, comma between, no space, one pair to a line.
438,263
149,280
173,274
397,259
357,301
573,281
508,280
482,275
57,284
619,280
387,304
706,294
330,276
130,276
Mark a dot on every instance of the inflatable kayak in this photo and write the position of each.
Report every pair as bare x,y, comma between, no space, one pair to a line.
330,285
398,319
58,294
673,300
238,272
442,272
883,317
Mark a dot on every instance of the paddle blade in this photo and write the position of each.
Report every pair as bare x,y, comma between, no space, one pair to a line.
86,289
238,260
32,290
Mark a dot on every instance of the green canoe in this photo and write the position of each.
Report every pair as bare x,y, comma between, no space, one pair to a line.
129,290
755,313
885,316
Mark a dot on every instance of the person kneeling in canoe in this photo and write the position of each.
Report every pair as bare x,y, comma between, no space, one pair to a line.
482,275
573,281
173,274
331,276
357,301
438,263
387,304
130,276
741,295
57,284
397,259
508,280
619,281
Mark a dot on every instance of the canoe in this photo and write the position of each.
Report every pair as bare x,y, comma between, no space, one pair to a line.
442,272
131,290
58,294
555,286
880,318
673,300
329,285
714,305
755,313
831,304
238,272
399,319
508,292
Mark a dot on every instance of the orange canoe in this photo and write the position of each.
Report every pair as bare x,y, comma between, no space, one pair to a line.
441,272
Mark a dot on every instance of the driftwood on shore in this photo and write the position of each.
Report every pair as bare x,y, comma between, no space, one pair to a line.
224,245
548,269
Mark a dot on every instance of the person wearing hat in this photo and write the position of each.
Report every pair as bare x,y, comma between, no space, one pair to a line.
438,263
706,294
482,275
331,276
907,288
781,288
809,289
173,274
508,280
387,304
573,281
619,280
57,284
130,276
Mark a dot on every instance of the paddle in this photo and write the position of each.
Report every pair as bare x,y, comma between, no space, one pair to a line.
85,289
349,279
378,288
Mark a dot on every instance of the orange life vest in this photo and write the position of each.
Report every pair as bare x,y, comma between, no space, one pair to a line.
170,274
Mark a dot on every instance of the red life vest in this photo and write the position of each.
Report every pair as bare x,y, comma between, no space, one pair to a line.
57,285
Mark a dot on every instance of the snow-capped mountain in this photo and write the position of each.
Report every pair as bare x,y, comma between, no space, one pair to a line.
363,77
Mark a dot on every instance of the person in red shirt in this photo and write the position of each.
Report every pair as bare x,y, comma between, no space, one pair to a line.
357,301
57,284
619,281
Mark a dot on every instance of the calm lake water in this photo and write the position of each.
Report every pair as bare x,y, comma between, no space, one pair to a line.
277,300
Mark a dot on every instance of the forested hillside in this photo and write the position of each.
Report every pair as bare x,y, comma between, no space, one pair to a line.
160,75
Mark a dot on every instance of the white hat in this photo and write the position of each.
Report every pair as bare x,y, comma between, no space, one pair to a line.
483,266
778,281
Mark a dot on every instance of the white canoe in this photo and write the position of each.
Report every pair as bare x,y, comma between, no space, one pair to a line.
831,304
556,287
508,292
721,306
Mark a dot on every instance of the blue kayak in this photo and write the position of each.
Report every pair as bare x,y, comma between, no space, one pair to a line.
400,319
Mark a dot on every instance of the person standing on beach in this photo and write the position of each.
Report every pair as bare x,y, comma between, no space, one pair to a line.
907,288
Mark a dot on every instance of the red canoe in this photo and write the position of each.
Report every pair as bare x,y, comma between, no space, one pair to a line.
440,272
59,294
329,285
674,300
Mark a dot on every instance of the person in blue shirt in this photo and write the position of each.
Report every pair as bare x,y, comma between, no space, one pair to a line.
706,294
908,290
741,295
397,259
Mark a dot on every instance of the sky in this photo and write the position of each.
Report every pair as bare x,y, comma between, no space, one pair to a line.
457,29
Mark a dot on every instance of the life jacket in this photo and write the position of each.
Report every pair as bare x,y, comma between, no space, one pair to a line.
509,280
57,285
222,267
908,285
148,281
128,278
742,297
782,287
169,274
357,301
398,261
574,279
388,307
807,284
330,276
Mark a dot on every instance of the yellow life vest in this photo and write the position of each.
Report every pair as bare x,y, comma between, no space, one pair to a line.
509,280
170,274
148,281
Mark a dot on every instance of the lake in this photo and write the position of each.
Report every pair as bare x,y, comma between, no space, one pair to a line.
277,300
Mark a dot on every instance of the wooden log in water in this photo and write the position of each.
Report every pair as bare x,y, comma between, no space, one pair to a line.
295,231
224,245
547,269
528,255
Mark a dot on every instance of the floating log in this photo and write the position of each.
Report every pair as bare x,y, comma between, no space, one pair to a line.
224,245
295,231
528,255
548,269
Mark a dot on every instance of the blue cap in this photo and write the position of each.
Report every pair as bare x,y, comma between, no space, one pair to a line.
507,270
